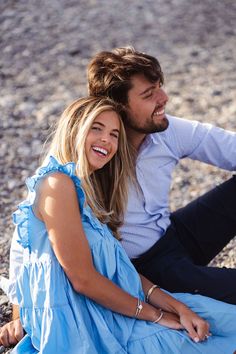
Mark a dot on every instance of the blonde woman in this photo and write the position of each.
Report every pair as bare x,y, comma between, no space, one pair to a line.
77,290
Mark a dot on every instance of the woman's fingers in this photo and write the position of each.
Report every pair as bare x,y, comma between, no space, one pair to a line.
202,328
192,332
198,329
170,320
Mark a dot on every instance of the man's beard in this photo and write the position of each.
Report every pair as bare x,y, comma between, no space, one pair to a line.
149,128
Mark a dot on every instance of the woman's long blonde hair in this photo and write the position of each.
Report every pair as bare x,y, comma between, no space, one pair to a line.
106,189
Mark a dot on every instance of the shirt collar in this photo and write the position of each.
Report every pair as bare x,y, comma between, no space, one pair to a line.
154,138
149,139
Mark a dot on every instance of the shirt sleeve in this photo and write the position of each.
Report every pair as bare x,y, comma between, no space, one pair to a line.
203,142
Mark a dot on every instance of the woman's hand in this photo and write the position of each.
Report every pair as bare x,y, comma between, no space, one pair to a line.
197,328
170,320
176,314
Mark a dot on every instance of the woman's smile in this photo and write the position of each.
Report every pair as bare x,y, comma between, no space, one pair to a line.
102,140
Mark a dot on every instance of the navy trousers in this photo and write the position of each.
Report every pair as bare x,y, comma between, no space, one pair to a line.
198,232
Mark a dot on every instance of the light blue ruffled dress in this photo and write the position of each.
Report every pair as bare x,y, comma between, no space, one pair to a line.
59,320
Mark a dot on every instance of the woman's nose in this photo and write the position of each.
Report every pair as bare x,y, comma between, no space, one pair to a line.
104,138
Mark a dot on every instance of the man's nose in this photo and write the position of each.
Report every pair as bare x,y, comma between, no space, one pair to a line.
162,97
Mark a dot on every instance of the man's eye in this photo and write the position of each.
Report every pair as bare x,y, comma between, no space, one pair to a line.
148,96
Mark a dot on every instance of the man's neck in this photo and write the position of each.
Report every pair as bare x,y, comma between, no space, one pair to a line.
134,138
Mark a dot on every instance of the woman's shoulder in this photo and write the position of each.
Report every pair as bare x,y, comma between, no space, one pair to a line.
54,175
57,181
53,181
52,166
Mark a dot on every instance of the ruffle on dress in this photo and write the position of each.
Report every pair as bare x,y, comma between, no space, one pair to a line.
21,216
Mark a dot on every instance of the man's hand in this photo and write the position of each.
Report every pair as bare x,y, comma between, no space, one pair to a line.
11,333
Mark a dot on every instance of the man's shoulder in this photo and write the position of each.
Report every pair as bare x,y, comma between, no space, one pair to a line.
179,130
174,123
179,122
177,125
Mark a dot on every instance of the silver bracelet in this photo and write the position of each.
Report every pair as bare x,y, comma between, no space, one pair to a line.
159,317
150,291
139,308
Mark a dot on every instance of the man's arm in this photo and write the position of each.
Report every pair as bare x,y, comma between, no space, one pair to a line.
15,312
202,142
12,332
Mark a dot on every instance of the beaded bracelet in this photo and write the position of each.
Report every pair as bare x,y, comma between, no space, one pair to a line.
150,291
159,317
139,308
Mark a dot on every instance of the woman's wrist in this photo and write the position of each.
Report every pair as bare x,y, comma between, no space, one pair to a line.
182,309
159,317
150,291
147,313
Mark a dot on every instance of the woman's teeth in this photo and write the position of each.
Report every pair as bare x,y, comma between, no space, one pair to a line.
100,150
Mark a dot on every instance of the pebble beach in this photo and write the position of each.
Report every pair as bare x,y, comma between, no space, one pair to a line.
45,48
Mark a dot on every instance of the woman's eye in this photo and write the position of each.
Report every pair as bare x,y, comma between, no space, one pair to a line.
96,128
115,135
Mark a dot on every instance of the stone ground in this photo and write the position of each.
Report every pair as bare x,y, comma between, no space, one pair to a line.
45,47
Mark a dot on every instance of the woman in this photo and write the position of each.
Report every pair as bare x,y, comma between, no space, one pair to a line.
77,290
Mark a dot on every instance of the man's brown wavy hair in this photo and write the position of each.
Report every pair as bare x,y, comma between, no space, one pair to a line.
109,73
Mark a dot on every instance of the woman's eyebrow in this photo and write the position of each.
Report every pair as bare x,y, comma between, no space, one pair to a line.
99,123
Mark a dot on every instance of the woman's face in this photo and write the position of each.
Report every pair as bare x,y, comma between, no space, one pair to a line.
102,140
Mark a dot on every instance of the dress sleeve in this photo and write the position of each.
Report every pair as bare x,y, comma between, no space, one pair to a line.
21,215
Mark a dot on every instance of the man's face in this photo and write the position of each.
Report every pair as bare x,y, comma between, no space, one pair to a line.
146,106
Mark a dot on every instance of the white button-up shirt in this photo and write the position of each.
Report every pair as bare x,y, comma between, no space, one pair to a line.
148,213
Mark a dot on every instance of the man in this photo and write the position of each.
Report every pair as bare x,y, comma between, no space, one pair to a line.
172,250
169,249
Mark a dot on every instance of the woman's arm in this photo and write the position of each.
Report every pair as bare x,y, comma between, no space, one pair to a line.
197,328
57,206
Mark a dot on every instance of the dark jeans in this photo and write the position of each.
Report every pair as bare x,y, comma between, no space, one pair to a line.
198,232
